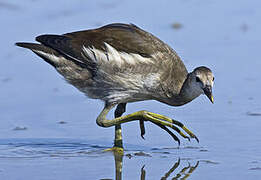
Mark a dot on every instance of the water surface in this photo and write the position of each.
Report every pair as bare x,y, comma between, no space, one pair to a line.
48,128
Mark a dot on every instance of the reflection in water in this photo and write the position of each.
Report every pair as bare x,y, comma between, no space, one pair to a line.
143,173
184,173
118,165
45,150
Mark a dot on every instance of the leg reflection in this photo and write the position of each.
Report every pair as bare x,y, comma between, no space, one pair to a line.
143,173
184,173
175,166
118,165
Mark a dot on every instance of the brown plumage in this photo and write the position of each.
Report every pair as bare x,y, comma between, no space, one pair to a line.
124,38
121,63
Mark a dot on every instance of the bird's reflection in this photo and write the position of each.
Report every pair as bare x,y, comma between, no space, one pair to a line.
184,173
118,165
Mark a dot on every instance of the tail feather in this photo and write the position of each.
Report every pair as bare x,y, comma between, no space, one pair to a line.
41,50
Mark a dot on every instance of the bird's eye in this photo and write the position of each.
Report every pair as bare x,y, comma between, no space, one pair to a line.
213,79
197,79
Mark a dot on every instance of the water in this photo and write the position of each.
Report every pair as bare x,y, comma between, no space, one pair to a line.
48,128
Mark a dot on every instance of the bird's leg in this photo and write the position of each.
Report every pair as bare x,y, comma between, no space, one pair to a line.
141,115
118,145
121,108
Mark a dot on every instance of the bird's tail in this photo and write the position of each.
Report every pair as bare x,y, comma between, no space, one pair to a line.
48,54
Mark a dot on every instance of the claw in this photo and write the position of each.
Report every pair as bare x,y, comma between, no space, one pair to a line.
196,139
166,121
142,129
180,132
185,129
168,131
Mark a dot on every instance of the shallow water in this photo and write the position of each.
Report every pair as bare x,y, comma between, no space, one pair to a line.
55,156
48,128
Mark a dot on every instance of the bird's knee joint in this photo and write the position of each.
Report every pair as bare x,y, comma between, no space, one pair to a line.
143,112
100,123
143,115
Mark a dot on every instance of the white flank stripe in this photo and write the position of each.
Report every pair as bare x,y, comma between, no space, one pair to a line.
113,56
89,53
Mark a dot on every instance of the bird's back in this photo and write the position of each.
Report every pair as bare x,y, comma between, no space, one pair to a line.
115,63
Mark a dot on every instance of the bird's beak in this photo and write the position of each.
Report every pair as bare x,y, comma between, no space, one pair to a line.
208,93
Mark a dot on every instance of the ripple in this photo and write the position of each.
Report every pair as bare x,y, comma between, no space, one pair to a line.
39,148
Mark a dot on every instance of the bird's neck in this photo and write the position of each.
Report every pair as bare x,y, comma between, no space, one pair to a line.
186,94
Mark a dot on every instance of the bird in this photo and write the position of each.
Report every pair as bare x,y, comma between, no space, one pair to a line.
121,63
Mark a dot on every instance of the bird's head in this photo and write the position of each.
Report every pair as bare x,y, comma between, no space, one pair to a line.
202,80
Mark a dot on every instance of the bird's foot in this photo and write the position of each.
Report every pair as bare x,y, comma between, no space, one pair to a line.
118,150
164,122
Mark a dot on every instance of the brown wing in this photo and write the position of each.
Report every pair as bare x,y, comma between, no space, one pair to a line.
123,37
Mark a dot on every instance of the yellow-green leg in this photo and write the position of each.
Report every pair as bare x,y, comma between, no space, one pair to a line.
160,120
118,144
118,137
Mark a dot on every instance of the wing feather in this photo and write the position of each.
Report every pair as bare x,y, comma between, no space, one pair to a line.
136,48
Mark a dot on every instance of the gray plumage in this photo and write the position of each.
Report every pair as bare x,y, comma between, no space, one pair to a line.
159,76
121,63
